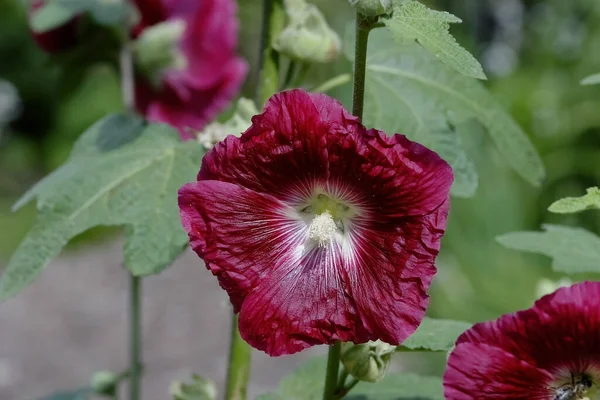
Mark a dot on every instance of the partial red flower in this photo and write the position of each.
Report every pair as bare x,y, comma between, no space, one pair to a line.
318,228
61,38
188,69
548,352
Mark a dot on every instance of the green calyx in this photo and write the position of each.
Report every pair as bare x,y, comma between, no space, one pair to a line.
372,8
307,36
157,50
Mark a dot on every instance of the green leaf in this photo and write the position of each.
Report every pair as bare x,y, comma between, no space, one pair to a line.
78,394
400,387
573,250
591,80
591,200
409,91
119,173
305,383
435,335
413,20
308,380
50,16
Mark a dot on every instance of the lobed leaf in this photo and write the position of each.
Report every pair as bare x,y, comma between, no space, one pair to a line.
308,380
409,91
435,335
573,250
413,20
119,173
305,383
400,387
591,200
593,79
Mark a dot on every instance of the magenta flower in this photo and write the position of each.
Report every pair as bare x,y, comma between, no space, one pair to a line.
188,70
318,228
61,38
550,351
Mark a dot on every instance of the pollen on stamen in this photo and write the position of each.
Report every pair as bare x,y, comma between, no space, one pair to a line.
322,229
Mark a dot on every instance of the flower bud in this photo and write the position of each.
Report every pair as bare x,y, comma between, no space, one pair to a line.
368,361
307,36
157,49
372,8
104,383
58,39
238,123
199,389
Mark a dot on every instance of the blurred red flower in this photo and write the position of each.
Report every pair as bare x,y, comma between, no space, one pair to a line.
318,228
550,351
61,38
192,71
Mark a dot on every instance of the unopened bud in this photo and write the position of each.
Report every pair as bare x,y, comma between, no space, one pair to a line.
368,361
104,383
372,8
198,389
157,49
238,123
307,36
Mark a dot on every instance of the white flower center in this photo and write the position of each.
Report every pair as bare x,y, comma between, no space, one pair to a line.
322,229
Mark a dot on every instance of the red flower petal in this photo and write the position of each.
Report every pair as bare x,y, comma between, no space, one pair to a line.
225,221
479,372
190,98
557,336
371,281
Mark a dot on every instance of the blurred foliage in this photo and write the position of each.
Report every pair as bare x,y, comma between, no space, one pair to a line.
534,53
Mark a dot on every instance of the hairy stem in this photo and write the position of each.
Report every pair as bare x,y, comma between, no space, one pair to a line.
333,367
360,64
135,339
238,372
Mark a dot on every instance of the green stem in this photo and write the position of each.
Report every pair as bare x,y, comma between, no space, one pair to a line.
135,287
342,381
268,65
292,70
333,367
238,372
344,391
135,339
363,27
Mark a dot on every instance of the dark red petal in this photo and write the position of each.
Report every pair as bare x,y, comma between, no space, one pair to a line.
200,106
560,330
240,234
151,12
484,372
304,301
303,137
391,272
285,145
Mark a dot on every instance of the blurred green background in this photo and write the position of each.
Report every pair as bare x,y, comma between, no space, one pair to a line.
534,53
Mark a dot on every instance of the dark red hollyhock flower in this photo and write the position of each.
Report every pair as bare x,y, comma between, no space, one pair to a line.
318,228
205,73
58,39
548,352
